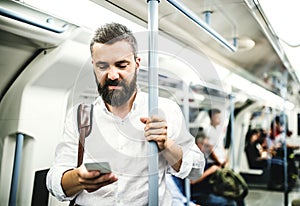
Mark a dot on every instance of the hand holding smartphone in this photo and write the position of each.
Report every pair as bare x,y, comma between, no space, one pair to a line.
103,167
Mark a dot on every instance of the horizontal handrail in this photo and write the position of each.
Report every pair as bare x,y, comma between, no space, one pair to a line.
33,22
191,15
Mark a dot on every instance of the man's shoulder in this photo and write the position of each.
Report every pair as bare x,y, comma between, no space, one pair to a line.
163,101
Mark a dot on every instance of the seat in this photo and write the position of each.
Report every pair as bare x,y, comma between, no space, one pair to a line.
40,194
255,176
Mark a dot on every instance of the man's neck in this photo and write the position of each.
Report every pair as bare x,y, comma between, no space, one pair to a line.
214,125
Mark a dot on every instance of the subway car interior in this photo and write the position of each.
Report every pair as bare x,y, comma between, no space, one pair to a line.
225,54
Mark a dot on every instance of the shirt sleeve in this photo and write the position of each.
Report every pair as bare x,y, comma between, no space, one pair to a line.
193,161
65,157
192,165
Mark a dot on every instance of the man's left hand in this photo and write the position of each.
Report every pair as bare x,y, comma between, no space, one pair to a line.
156,130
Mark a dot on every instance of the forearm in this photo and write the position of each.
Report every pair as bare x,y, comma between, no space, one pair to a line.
70,182
202,177
173,154
215,158
207,173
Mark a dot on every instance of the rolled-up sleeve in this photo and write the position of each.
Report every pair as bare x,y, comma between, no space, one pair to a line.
192,165
65,159
53,183
193,161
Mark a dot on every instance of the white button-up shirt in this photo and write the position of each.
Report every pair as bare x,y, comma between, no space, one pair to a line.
122,143
216,138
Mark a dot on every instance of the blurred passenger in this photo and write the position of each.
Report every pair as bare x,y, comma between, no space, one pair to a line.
256,156
279,133
215,135
179,199
201,189
276,129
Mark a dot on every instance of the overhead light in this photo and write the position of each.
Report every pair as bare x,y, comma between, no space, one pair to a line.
293,56
245,44
283,15
289,105
258,92
238,82
91,15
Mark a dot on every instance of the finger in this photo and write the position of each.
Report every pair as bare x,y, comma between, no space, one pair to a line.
160,131
144,119
85,174
94,187
153,118
101,181
156,138
155,125
156,118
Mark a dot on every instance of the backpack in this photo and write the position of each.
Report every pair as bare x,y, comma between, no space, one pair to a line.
84,123
227,183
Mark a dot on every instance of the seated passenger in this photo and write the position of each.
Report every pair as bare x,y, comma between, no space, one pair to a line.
216,137
256,156
201,190
179,199
278,137
277,140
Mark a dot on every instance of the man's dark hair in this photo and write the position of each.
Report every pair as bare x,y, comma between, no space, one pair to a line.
211,112
113,32
200,136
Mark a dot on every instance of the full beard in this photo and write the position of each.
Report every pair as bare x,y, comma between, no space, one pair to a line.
117,97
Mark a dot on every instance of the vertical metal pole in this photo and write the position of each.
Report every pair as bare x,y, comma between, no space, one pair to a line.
285,163
186,110
232,129
241,149
16,170
153,97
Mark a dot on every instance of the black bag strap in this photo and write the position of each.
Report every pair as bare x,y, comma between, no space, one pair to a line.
84,123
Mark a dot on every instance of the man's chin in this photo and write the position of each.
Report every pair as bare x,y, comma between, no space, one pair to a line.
112,88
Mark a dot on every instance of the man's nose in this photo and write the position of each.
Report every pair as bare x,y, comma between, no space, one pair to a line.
113,73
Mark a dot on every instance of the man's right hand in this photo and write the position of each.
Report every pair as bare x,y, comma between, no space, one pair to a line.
73,181
93,180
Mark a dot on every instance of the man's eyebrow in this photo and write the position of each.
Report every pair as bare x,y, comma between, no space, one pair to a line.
100,62
122,61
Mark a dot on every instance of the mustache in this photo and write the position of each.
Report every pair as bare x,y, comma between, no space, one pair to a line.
110,82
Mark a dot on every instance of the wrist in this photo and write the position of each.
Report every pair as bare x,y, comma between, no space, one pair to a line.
168,144
70,182
173,154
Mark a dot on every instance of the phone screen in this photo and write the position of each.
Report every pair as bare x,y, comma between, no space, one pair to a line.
103,167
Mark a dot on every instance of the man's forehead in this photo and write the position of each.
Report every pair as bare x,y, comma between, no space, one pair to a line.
117,51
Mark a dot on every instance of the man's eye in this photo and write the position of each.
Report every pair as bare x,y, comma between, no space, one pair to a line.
122,66
102,67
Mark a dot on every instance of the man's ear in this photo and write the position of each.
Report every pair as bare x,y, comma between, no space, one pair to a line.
137,63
